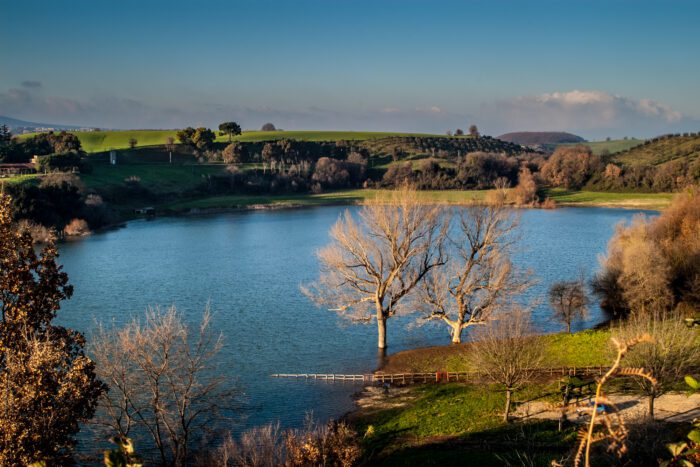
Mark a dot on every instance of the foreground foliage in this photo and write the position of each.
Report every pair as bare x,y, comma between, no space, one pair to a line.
48,384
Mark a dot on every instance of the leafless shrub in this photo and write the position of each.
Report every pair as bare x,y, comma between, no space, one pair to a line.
58,179
165,386
673,349
77,227
569,301
38,232
506,351
525,193
332,444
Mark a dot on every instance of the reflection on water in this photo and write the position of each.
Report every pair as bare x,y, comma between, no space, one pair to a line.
249,266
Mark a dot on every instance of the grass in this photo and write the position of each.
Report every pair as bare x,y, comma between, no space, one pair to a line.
158,178
454,424
100,141
19,179
330,198
612,146
600,198
586,348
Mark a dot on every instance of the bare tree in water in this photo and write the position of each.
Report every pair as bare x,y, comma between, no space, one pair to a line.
479,276
373,263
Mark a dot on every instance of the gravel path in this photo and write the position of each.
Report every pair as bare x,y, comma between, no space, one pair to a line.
669,408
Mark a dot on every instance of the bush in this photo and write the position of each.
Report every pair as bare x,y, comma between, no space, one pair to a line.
65,162
77,227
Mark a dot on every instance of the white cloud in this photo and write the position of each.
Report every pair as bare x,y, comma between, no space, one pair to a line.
587,111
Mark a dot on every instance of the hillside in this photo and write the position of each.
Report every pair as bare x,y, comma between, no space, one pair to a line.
613,146
533,138
657,151
100,141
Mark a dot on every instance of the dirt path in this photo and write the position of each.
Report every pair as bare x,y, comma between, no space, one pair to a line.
669,408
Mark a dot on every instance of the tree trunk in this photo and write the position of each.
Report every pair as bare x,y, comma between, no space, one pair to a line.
568,327
456,333
381,332
506,413
650,411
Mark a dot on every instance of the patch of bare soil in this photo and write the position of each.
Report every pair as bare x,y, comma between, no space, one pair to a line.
667,408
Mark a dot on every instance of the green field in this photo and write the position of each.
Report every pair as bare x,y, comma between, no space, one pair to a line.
159,179
612,146
99,141
600,198
334,197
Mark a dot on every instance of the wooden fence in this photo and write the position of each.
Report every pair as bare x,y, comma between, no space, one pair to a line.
436,376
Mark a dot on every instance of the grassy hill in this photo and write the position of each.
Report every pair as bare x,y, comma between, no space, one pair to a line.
659,150
610,147
99,141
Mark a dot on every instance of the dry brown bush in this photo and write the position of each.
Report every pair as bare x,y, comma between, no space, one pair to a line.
653,265
77,227
333,444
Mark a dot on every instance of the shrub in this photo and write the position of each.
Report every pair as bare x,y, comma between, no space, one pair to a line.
77,227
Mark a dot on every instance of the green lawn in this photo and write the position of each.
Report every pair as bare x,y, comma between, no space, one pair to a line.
451,424
585,348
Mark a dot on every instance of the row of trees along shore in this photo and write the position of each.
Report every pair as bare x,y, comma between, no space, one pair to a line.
157,379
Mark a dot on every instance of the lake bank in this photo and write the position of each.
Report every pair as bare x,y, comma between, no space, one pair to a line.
229,203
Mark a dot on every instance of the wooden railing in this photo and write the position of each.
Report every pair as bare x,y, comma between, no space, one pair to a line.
436,376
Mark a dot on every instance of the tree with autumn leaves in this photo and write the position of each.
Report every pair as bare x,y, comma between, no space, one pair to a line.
48,384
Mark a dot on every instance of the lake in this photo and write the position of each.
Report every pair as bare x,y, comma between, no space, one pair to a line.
249,265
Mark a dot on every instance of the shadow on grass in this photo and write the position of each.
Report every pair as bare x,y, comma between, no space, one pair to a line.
534,443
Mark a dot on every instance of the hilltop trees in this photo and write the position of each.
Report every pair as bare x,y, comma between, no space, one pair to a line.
478,277
473,131
268,127
370,267
199,139
48,384
230,128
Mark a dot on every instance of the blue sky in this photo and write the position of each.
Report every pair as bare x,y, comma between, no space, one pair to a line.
616,68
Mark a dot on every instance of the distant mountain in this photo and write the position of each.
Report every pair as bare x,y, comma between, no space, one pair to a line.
531,138
15,124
